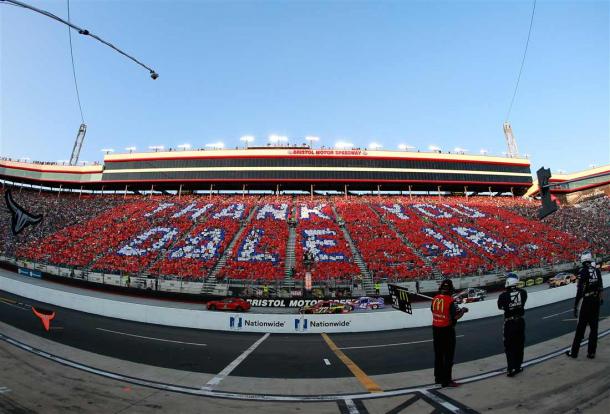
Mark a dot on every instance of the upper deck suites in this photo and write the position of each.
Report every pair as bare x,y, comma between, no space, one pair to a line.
294,168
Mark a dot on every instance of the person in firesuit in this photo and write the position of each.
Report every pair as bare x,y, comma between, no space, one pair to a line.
445,314
590,291
512,302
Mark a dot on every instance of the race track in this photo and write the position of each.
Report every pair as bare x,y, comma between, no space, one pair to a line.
278,355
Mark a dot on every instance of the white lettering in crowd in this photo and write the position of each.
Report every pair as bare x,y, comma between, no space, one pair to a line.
487,243
315,244
431,210
397,210
159,208
276,212
234,211
451,249
135,246
466,211
202,246
192,208
247,251
306,211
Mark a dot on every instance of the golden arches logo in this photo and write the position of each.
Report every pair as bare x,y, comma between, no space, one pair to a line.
438,305
403,295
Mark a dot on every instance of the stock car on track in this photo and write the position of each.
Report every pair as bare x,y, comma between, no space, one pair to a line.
325,306
561,279
366,302
470,295
231,304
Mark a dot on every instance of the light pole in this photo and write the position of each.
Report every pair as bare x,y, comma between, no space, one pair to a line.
156,148
130,149
375,146
184,147
405,147
311,139
215,145
247,139
107,150
344,145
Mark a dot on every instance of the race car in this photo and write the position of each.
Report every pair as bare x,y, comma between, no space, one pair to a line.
561,279
470,295
232,304
325,306
365,302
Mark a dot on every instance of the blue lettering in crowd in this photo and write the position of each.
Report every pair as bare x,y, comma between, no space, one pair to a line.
202,246
487,243
315,243
141,246
194,211
248,252
307,212
449,249
234,211
397,210
274,211
431,210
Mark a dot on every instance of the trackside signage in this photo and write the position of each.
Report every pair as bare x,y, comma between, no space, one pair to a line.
285,323
289,303
253,322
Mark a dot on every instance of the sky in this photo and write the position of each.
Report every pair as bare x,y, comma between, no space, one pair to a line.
393,72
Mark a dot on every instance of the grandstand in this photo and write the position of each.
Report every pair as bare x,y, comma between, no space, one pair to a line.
283,240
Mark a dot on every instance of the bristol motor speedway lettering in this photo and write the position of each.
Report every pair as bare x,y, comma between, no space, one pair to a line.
326,152
288,303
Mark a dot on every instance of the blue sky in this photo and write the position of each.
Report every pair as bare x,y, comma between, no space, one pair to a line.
393,72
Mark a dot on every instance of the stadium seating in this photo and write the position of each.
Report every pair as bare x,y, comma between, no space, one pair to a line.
321,248
260,252
385,255
399,238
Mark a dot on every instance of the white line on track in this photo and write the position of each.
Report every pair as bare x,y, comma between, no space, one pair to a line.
229,368
151,338
265,397
395,344
351,407
326,361
555,314
14,305
446,404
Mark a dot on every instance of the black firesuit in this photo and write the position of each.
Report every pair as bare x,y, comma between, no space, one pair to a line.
512,302
589,289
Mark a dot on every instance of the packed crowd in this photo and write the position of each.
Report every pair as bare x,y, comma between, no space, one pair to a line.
589,219
397,237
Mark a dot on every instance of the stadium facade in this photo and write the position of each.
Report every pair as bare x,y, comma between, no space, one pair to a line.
293,168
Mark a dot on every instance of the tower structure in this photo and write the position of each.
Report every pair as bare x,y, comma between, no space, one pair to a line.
511,142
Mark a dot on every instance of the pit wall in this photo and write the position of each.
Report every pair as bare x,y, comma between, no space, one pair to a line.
195,288
273,323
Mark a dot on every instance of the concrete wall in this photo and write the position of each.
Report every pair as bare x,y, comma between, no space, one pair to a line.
251,322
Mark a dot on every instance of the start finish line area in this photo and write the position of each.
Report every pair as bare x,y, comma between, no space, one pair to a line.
352,370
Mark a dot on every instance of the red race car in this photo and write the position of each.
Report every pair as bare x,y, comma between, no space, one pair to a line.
232,304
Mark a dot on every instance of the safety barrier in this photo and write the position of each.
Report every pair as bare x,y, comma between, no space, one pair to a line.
252,322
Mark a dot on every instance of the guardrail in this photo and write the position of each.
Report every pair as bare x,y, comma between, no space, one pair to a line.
252,322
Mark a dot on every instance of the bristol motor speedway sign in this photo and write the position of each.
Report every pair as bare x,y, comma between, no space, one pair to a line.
289,303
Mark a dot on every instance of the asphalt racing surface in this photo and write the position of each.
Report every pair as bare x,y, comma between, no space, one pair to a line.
279,355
